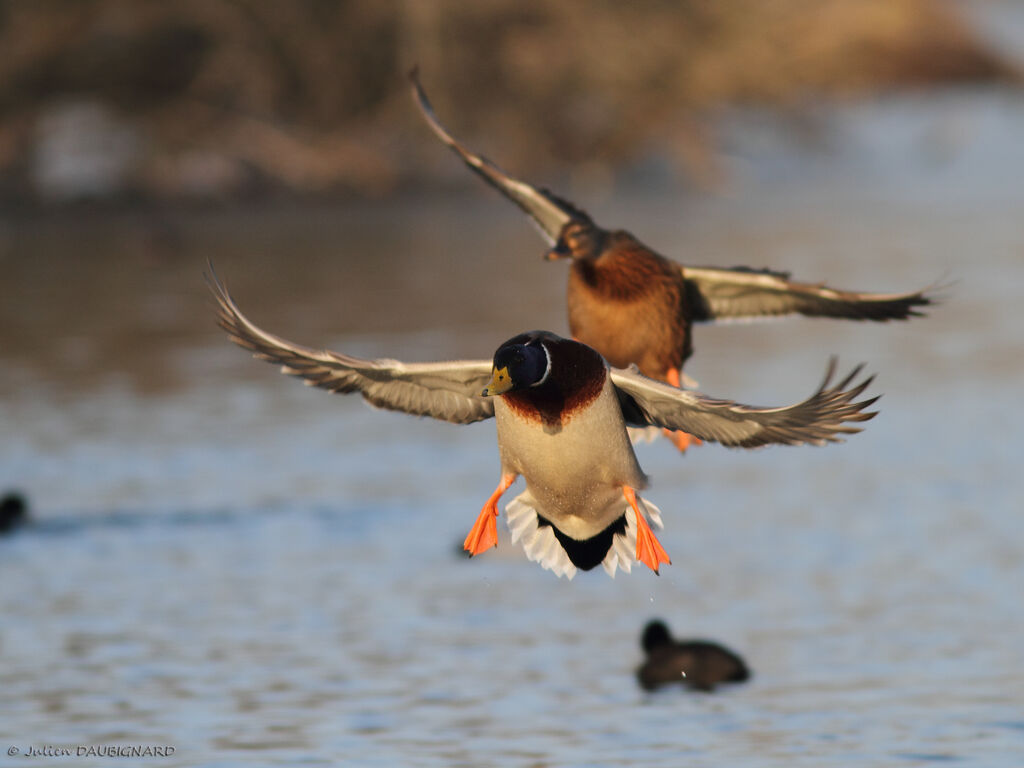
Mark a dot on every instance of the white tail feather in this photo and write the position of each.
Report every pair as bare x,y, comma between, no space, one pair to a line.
541,546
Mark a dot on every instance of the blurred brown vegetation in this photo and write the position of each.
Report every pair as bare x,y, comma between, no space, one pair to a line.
214,99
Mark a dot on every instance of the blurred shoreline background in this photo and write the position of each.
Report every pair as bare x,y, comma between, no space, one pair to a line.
195,102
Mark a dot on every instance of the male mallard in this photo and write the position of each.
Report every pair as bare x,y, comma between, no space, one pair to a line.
634,306
561,416
700,664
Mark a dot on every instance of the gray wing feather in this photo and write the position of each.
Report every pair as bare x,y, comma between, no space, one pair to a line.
819,419
549,212
449,391
743,292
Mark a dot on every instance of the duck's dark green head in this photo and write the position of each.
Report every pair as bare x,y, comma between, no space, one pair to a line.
579,239
520,363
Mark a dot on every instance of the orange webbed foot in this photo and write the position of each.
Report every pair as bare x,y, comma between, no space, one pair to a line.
680,440
484,533
648,549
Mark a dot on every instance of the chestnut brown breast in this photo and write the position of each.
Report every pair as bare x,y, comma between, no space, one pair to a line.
576,379
629,303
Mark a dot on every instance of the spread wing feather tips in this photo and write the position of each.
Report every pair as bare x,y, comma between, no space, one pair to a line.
549,212
742,292
820,419
449,391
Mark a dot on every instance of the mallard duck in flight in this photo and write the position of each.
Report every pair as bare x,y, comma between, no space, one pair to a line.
561,415
635,306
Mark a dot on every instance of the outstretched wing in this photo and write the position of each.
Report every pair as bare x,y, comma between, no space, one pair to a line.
819,419
549,212
449,391
744,292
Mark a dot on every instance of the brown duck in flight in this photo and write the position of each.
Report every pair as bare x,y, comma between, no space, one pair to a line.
635,306
561,414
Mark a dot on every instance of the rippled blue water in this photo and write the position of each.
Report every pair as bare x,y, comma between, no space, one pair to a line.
257,573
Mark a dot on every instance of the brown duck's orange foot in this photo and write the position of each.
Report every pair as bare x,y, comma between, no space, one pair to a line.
682,440
648,549
484,533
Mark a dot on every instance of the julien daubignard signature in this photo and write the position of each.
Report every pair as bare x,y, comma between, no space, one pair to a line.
93,750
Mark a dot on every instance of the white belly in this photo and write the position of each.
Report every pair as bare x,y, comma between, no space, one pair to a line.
574,472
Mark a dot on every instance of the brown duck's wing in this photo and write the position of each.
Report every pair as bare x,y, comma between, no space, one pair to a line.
548,211
449,391
819,419
742,292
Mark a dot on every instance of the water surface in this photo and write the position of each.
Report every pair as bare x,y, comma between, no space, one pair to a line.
259,573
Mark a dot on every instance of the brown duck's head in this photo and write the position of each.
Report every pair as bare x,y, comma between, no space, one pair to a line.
579,239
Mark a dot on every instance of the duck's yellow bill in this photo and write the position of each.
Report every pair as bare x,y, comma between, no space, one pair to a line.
500,382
